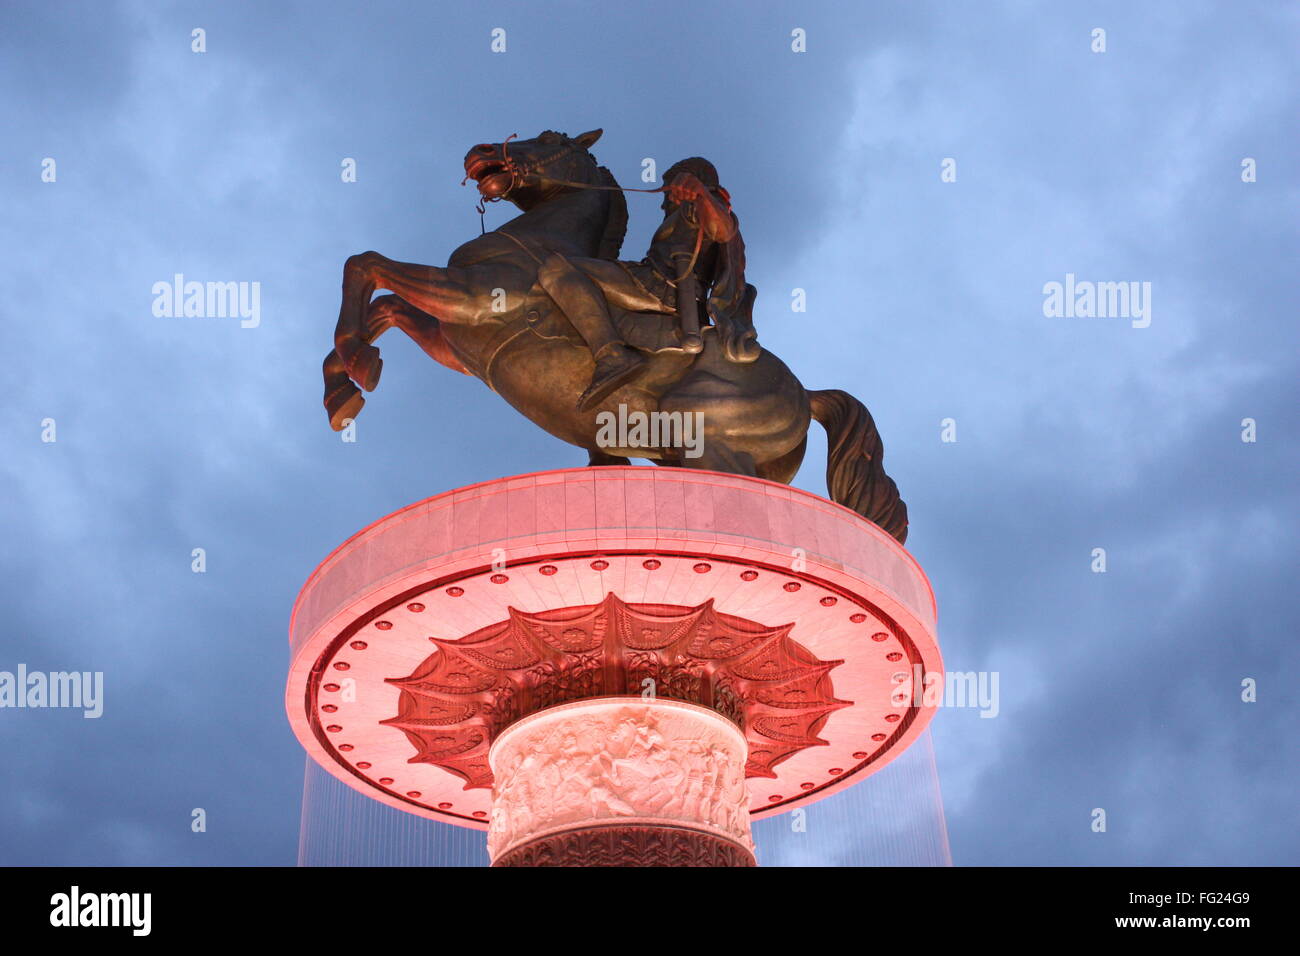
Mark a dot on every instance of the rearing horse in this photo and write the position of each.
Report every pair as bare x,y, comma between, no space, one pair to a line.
487,315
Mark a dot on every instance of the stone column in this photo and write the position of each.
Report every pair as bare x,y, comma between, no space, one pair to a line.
617,781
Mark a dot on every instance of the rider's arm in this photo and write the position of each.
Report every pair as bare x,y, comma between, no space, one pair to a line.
719,221
713,213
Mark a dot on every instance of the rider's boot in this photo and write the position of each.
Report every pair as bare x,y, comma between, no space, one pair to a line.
616,365
584,304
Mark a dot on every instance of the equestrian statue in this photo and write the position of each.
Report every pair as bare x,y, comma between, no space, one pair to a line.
543,311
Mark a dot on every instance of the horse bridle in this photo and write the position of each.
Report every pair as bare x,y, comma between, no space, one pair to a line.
517,170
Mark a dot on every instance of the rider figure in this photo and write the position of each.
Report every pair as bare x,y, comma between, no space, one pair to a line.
695,266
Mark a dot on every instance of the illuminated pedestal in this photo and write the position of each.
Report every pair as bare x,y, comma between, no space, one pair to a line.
620,780
719,624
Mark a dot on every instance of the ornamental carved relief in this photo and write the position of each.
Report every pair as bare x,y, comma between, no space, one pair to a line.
620,759
458,700
628,846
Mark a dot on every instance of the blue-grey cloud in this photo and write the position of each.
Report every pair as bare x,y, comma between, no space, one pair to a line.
1119,690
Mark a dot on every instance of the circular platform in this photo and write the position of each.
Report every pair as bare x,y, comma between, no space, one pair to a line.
424,636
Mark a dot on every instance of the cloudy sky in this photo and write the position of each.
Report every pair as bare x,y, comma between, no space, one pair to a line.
1119,690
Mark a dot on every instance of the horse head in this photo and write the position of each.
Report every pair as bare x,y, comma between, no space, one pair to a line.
528,172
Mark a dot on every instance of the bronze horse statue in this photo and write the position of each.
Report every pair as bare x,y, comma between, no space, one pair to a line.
487,315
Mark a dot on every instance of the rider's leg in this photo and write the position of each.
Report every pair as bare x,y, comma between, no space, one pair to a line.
629,286
622,291
583,302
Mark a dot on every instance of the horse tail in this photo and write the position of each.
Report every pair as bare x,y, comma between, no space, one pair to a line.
855,473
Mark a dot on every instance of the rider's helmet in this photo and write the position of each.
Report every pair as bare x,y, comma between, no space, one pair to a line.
697,166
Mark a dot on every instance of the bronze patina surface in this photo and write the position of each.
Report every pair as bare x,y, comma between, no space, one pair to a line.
542,310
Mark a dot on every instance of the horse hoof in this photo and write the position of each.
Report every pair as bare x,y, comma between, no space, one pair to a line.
366,367
344,405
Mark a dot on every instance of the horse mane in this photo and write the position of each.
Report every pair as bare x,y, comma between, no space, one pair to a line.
611,243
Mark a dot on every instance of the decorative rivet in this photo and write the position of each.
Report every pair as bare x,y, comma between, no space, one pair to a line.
599,564
347,748
330,687
861,755
703,568
650,564
836,770
386,780
749,575
329,708
363,764
792,586
444,806
415,607
893,656
413,794
880,637
359,645
775,798
857,618
334,728
893,718
341,665
480,814
829,601
548,569
877,737
499,578
808,785
455,591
